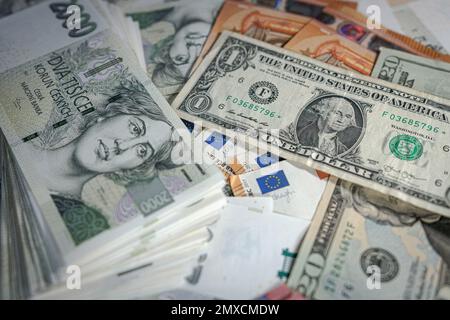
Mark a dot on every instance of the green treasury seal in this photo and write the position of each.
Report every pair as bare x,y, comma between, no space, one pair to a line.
406,147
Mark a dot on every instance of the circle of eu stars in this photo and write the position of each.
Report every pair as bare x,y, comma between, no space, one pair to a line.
272,182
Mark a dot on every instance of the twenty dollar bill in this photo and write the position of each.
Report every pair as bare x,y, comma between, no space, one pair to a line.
431,76
374,133
366,245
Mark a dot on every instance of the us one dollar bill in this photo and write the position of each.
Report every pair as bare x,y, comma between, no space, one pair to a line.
371,132
366,245
423,74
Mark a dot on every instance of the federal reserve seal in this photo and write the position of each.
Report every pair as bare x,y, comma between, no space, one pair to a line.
263,92
383,259
406,147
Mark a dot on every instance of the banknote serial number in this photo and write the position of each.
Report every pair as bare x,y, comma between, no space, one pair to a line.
251,106
410,122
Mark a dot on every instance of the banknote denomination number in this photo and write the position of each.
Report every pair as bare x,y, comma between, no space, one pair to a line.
389,68
311,274
198,103
156,202
232,58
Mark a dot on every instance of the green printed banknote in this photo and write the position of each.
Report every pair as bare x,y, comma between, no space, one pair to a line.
423,74
364,130
363,244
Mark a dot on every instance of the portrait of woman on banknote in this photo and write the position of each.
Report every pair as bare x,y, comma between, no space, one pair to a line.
170,59
127,140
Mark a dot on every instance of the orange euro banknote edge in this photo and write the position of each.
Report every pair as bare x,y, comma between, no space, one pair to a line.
317,41
353,25
272,26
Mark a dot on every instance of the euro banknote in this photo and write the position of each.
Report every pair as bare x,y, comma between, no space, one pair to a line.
231,156
317,41
353,25
258,22
295,191
244,237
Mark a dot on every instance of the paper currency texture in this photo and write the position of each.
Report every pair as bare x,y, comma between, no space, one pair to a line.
377,134
423,74
366,245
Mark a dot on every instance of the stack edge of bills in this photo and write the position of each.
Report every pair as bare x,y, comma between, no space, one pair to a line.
329,137
96,179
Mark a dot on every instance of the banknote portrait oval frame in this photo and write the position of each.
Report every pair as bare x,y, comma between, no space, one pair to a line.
360,119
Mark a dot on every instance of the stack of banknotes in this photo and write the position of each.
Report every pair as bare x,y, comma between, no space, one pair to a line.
96,171
230,149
